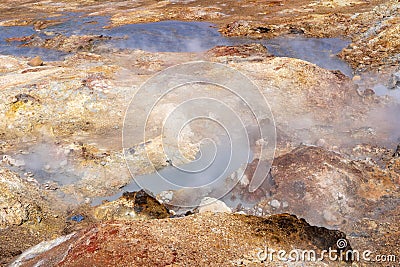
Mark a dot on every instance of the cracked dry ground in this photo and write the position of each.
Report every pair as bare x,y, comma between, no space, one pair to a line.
336,165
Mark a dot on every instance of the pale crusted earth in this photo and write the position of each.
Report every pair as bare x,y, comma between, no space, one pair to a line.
336,164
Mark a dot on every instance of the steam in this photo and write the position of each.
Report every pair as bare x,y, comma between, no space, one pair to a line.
194,103
386,122
47,162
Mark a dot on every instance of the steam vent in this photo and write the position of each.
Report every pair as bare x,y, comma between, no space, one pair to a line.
200,133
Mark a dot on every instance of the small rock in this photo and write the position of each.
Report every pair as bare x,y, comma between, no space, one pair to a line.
275,204
360,234
241,212
368,92
166,196
244,181
50,186
394,80
13,162
32,180
29,174
35,62
213,205
131,214
356,78
285,204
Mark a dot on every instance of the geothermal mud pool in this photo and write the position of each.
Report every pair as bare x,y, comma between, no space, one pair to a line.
165,36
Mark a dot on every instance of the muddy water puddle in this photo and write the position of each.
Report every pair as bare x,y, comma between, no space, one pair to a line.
169,36
204,177
320,51
43,163
382,85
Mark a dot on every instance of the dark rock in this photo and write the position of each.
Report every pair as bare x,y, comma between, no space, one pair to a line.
262,29
397,152
132,206
368,92
25,98
296,31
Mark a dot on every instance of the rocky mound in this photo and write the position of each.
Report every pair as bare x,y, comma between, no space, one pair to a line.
209,239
